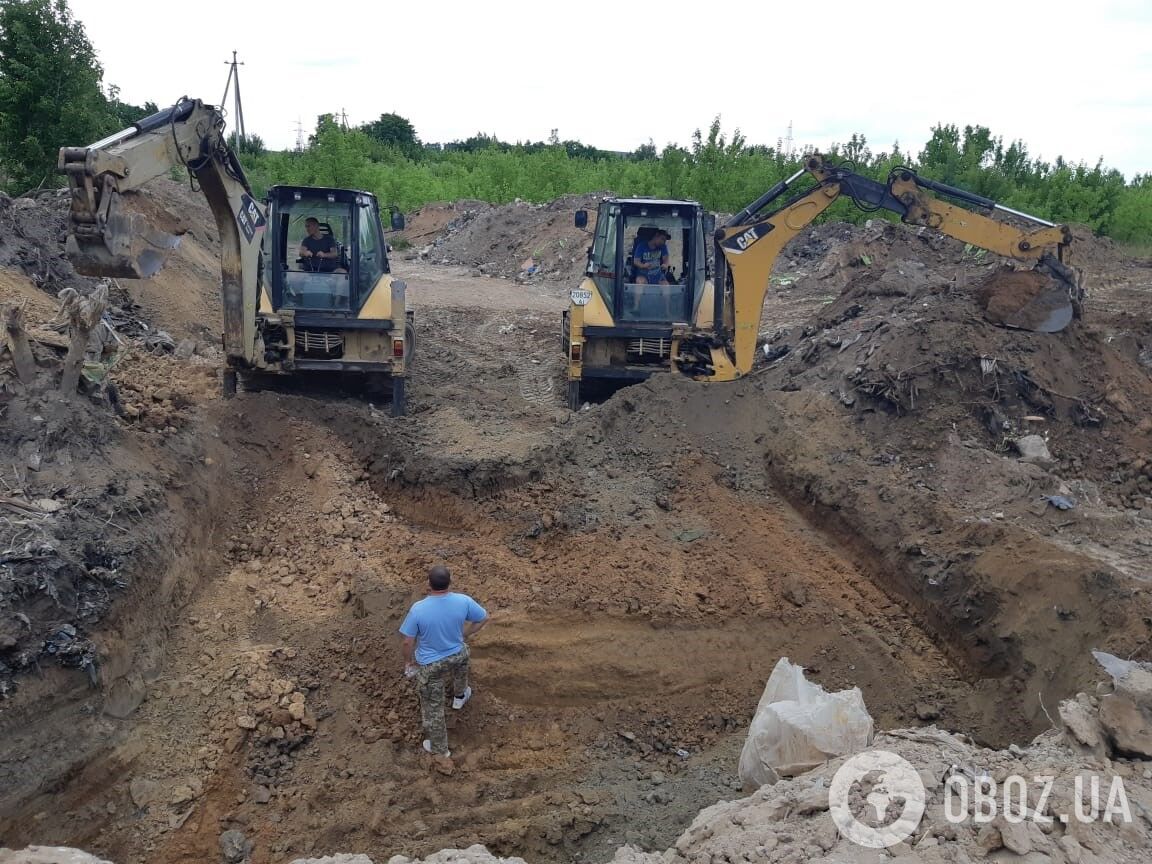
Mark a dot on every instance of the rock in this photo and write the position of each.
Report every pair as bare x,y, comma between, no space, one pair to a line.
182,795
989,838
1033,449
246,721
48,855
1129,727
144,793
185,349
297,710
794,591
927,712
1072,849
1014,835
235,847
344,859
1081,724
261,794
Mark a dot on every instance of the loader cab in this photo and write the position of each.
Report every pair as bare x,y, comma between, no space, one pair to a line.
625,225
348,223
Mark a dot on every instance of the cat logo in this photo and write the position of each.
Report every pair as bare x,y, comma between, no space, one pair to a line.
747,239
249,217
743,242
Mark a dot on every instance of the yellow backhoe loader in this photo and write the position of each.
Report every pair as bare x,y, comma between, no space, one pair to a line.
627,321
305,278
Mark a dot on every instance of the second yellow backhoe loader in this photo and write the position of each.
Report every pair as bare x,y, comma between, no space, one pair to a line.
305,278
749,243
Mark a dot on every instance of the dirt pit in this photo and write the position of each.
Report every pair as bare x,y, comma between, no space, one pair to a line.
611,687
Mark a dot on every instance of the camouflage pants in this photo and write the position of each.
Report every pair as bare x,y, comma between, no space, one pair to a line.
430,682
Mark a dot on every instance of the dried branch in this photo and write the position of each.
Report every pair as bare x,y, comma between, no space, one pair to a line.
83,313
17,339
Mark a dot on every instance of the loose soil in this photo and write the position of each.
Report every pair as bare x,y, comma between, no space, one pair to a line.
646,560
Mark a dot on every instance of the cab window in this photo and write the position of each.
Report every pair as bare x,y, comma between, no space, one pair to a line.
371,264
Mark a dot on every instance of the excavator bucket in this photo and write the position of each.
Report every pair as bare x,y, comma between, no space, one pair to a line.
133,243
1044,299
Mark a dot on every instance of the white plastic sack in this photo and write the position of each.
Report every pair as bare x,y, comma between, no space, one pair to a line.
798,726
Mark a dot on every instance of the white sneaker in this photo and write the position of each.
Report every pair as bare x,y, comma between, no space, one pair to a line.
428,747
458,702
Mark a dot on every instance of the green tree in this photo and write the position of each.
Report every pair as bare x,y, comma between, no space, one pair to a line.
50,92
392,130
126,114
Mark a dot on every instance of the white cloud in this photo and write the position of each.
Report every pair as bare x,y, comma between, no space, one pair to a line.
1065,78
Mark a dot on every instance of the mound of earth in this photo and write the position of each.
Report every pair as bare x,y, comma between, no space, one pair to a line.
183,299
906,346
84,511
514,240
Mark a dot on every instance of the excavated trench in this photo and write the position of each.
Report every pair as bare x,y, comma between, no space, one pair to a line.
613,686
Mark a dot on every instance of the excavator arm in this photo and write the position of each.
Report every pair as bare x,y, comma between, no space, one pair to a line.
749,243
108,236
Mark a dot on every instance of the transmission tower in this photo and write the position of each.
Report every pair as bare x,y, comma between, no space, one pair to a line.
299,134
233,83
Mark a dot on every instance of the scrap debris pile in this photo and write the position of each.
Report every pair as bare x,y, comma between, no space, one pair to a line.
516,241
900,330
83,360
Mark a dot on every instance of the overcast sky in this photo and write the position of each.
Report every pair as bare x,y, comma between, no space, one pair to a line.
1067,78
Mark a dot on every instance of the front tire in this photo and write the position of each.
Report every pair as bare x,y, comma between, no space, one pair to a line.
574,395
229,383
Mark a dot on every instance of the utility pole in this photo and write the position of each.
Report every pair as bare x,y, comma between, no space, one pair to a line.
234,83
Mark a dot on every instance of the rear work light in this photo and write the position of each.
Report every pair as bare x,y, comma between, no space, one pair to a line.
575,351
397,348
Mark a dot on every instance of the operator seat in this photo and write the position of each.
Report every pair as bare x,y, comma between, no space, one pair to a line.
326,229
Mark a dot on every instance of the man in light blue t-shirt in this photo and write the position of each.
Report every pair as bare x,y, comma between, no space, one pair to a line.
435,652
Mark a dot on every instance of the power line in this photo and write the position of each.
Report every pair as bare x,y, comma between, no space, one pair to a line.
233,83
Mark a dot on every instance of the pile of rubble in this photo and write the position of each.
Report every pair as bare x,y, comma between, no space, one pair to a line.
1077,795
516,241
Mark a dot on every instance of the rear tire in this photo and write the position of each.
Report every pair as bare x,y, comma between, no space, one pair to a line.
574,395
229,383
409,342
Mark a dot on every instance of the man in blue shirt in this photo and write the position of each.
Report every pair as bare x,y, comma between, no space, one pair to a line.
650,257
435,652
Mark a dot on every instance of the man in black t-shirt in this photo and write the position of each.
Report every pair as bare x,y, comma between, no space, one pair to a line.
318,250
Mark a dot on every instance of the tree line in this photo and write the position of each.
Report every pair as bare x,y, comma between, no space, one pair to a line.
52,93
723,172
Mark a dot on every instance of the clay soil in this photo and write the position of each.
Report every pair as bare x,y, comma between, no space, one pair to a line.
646,562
